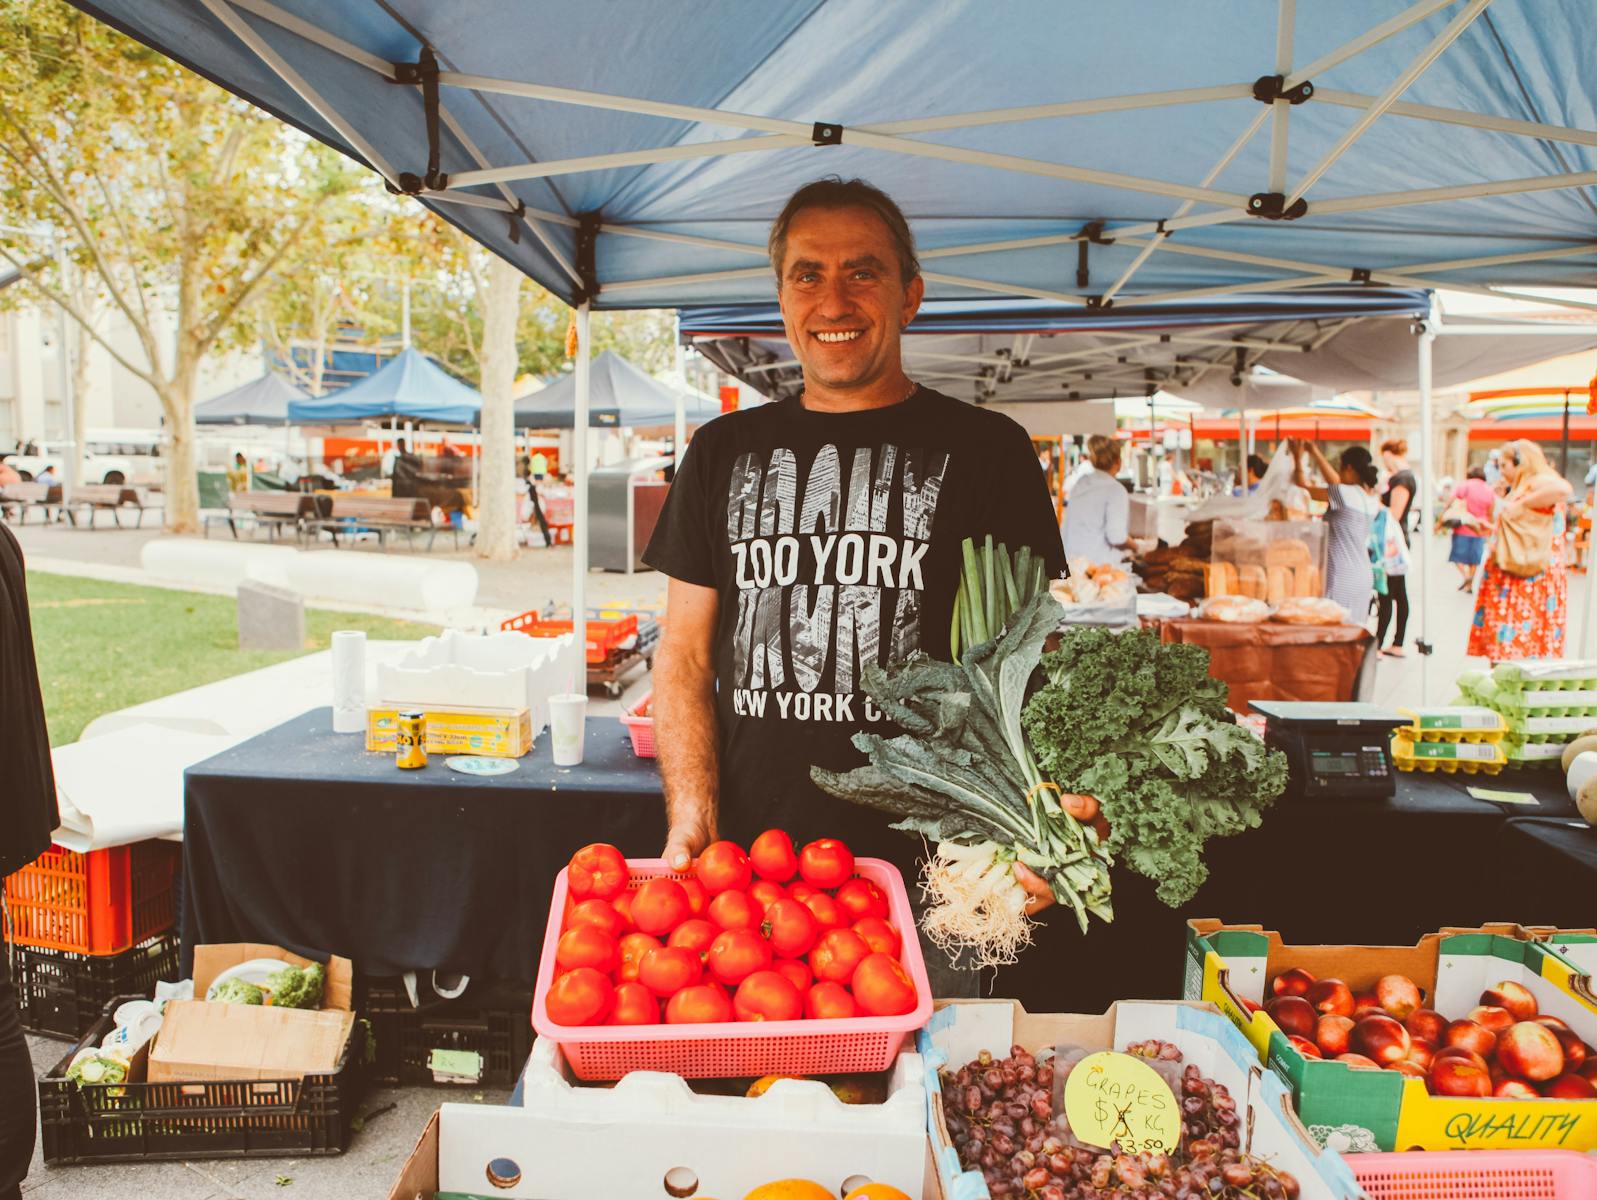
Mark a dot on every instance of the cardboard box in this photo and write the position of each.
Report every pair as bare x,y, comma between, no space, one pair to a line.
489,732
419,1177
1383,1110
201,1041
961,1029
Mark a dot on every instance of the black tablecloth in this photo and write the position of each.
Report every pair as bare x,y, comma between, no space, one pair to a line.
1557,860
1316,871
300,838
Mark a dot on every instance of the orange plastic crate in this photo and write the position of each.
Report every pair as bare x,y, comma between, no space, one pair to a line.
603,636
101,902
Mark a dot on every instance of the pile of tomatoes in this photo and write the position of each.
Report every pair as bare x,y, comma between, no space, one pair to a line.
770,934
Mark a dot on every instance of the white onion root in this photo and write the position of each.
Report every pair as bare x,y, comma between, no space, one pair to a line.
978,906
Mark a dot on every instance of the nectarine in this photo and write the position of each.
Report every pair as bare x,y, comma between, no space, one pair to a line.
1331,996
1398,995
1471,1035
1459,1076
1331,1034
1292,982
1426,1024
1293,1014
1515,997
1530,1051
1382,1038
1570,1087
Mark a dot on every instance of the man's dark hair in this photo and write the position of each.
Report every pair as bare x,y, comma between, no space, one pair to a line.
1477,473
1257,465
834,192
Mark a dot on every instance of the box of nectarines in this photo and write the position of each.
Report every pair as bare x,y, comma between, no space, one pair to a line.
1469,1039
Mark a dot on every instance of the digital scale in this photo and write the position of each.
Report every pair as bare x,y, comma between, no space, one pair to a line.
1334,751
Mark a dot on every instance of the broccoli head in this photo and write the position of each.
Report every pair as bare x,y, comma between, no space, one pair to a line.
298,987
236,991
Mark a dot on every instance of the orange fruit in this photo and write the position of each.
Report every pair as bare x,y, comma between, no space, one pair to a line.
789,1189
877,1191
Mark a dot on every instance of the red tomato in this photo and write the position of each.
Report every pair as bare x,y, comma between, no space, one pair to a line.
860,898
586,946
597,870
635,1005
601,914
580,997
795,972
882,988
829,1001
698,898
837,954
633,947
694,934
734,910
623,906
802,891
765,893
826,863
666,970
767,996
791,928
659,906
723,867
702,1004
826,912
879,935
772,856
736,954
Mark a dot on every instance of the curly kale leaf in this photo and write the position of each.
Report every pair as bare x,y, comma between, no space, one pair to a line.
298,987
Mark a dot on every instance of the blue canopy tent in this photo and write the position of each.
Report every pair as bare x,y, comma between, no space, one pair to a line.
262,401
625,161
621,397
409,387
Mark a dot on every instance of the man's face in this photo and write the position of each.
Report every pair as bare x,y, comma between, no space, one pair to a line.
843,300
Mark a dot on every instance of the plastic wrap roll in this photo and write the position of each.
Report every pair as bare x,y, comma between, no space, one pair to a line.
349,681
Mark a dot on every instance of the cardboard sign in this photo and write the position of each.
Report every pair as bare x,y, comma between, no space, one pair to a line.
1119,1100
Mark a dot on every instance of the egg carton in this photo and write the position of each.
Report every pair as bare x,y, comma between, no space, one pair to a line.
1455,723
1550,729
1546,675
1472,758
1535,755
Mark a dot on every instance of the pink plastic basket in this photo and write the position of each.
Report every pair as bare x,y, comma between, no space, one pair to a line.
640,729
722,1051
1477,1175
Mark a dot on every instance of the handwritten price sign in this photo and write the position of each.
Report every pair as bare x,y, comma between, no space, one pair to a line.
1119,1100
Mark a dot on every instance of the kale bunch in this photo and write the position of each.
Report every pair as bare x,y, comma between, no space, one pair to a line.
298,987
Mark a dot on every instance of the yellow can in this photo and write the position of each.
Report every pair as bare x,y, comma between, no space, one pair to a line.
412,743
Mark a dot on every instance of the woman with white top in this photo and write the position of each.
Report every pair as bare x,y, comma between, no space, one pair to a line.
1349,579
1097,522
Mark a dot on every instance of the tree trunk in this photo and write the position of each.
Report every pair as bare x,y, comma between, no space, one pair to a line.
80,383
496,501
182,496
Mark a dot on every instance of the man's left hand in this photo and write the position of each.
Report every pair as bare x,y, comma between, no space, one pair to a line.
1037,889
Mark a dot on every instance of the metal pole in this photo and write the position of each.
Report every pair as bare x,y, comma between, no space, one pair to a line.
1563,453
579,518
73,458
1242,447
680,433
404,314
1426,489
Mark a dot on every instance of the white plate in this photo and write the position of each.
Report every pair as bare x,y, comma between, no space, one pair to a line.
468,764
256,971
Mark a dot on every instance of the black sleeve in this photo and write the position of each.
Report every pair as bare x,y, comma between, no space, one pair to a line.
28,811
681,546
1021,511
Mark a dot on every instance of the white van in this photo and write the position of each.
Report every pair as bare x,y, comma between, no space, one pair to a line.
112,456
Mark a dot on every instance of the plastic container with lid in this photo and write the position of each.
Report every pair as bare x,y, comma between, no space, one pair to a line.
1473,758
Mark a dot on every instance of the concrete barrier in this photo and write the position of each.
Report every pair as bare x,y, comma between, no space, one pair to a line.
412,583
216,564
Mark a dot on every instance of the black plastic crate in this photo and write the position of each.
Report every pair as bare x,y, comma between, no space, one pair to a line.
63,995
492,1019
153,1122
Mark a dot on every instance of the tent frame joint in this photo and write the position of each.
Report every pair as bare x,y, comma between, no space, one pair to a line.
1267,89
1098,302
1360,275
1272,206
423,73
826,133
588,227
515,216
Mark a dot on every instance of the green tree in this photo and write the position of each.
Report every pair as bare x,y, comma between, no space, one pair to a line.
178,201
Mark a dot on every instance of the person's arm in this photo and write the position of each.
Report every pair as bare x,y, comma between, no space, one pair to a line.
1397,499
1301,480
685,722
1020,510
1323,464
1543,492
1117,521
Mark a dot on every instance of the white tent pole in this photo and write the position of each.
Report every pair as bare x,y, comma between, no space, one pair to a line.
579,517
622,285
1427,491
1468,191
627,158
679,433
1398,86
1007,288
1281,108
1458,116
1412,15
270,12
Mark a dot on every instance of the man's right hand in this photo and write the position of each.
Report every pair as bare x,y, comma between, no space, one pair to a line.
683,842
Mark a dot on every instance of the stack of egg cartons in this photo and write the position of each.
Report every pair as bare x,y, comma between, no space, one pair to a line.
1460,737
1546,704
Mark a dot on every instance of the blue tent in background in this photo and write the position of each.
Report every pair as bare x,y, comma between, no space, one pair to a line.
409,387
262,401
623,397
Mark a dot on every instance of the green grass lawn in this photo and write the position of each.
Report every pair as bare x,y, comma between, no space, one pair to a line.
104,646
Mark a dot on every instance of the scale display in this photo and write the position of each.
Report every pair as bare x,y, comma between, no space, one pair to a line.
1334,751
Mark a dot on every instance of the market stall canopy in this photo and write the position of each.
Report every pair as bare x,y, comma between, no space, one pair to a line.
622,396
262,401
409,387
636,162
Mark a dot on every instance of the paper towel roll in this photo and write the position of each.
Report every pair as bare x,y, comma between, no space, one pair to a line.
349,681
1581,769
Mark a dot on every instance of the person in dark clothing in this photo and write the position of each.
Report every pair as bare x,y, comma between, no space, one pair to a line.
28,815
1401,484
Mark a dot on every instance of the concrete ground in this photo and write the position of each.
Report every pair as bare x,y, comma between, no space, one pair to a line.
540,575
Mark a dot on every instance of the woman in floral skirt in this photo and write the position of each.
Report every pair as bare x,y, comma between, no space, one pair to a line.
1525,616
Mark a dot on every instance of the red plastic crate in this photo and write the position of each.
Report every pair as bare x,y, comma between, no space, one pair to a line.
726,1050
1477,1175
602,640
640,729
102,902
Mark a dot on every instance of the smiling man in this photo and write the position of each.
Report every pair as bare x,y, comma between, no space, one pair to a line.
809,538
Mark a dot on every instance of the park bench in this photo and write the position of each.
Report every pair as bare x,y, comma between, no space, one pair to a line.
20,498
92,497
271,510
383,515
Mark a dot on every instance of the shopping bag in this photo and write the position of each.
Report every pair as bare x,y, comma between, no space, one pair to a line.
1524,545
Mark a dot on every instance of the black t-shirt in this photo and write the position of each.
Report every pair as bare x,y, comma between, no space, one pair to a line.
834,540
27,792
1404,479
